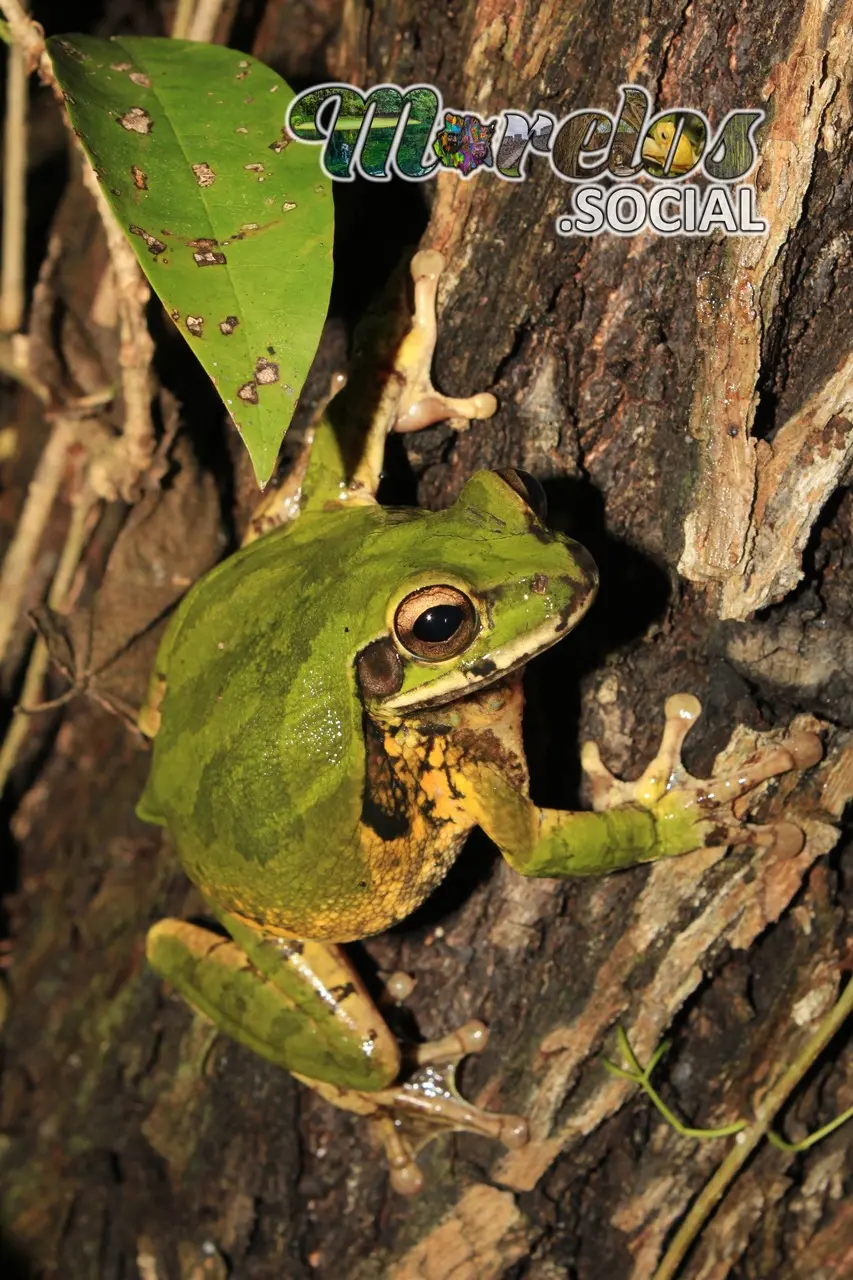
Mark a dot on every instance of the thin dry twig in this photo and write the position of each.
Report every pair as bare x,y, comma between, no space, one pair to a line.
748,1139
118,475
113,471
14,363
207,14
72,551
27,35
14,193
183,19
44,487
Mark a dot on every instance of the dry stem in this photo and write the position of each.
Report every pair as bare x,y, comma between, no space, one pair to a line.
14,194
136,352
72,551
22,550
183,19
26,34
203,26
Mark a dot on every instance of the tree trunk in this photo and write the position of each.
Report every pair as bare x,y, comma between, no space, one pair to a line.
687,402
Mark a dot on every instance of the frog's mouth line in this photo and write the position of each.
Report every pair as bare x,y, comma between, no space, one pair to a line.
456,683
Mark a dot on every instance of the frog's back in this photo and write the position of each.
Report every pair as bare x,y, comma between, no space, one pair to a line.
258,767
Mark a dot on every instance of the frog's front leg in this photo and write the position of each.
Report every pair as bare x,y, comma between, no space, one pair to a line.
416,403
344,450
302,1006
407,400
664,813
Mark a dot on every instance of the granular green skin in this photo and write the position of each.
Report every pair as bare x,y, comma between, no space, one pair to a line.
259,762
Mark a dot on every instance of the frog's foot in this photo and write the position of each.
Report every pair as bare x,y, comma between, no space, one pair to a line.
692,812
407,1116
420,405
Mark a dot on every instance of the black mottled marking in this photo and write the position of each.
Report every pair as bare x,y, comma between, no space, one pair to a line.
434,729
340,993
452,787
484,667
578,594
385,805
540,533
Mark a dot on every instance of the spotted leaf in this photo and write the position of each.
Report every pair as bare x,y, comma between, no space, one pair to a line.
231,222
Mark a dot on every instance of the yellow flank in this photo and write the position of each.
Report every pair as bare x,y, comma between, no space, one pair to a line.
420,804
419,779
404,870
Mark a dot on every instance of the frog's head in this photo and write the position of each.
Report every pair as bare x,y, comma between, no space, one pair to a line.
486,587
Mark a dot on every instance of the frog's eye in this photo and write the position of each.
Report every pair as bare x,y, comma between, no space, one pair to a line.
436,623
528,488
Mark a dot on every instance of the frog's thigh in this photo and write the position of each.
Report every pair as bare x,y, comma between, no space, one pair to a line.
298,1004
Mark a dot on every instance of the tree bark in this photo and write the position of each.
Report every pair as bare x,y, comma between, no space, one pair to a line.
687,403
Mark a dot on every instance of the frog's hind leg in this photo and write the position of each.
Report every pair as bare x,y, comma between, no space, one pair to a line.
297,1004
409,401
349,443
302,1006
344,448
426,1103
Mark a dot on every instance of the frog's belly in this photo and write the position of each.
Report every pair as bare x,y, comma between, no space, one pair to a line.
393,877
355,862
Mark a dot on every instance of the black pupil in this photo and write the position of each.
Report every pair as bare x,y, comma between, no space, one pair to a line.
438,623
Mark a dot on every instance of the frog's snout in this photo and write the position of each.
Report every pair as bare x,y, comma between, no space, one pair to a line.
585,563
583,592
581,585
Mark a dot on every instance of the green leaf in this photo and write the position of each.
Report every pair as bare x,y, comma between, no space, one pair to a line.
231,221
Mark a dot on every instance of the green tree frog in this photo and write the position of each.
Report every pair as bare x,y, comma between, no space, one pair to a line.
337,705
